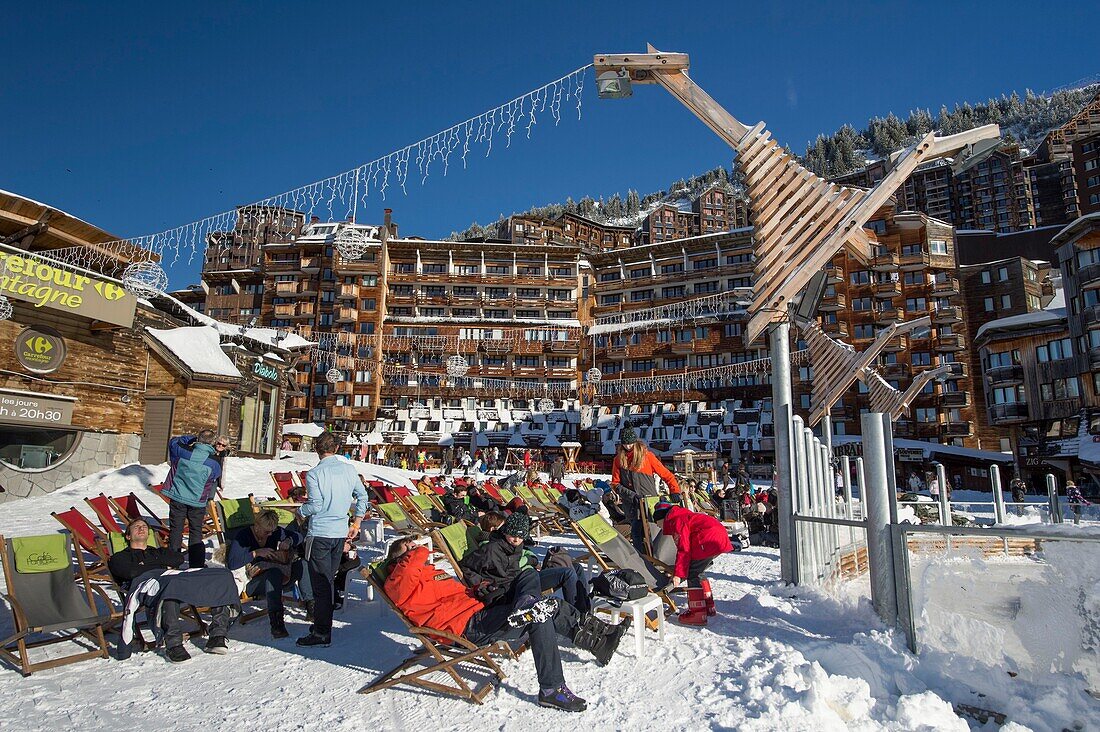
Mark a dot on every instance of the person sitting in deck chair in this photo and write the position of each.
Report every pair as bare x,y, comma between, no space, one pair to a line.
581,504
481,500
495,567
458,504
263,559
143,571
434,599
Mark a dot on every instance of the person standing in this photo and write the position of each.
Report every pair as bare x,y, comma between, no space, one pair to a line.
191,482
934,487
1019,493
333,486
699,539
635,470
447,461
557,470
1076,500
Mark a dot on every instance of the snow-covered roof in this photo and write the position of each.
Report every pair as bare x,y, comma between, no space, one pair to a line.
198,348
264,336
1076,226
1023,321
931,448
305,429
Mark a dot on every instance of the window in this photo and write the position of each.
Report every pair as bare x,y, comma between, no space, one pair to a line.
527,313
464,312
672,268
912,250
861,277
705,263
639,295
709,359
861,303
937,246
915,278
641,365
733,330
609,276
1060,389
637,274
704,287
804,401
864,330
987,277
1003,358
1009,395
1002,274
921,358
987,304
925,414
526,361
27,448
1054,351
916,304
664,336
676,363
611,299
677,291
434,268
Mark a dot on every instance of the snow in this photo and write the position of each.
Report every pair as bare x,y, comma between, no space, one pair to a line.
775,658
1033,319
306,429
199,348
264,336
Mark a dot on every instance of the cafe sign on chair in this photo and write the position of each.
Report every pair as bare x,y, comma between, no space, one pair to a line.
40,349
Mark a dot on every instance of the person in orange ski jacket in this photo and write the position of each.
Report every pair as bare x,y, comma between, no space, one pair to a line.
634,471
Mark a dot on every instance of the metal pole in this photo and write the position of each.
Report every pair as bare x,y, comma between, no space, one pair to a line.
780,350
861,481
827,431
800,502
945,504
811,498
1052,499
891,472
846,481
998,494
830,506
877,510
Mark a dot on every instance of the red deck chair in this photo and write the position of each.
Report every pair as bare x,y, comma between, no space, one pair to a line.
284,484
87,536
130,507
494,492
159,490
302,477
101,504
401,491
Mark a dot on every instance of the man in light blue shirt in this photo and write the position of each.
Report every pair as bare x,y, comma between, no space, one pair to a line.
332,486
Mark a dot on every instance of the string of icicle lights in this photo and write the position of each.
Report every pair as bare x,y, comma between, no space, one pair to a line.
338,197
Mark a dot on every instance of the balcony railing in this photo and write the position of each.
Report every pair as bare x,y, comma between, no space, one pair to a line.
885,261
346,291
947,314
836,329
955,429
834,275
889,288
1089,273
1004,374
949,342
895,370
310,264
1011,412
920,260
951,399
945,286
886,314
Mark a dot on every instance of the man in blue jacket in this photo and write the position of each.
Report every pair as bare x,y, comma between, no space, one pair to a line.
191,483
332,487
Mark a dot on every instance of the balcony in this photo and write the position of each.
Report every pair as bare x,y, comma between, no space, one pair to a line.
1089,273
886,314
959,369
953,399
949,342
348,291
920,260
310,264
837,329
529,371
945,286
836,301
303,310
889,288
1061,408
1094,357
561,372
498,345
999,375
1090,313
683,347
341,412
834,275
285,311
947,315
344,387
1001,414
955,429
285,289
566,346
895,370
885,262
898,343
347,315
617,352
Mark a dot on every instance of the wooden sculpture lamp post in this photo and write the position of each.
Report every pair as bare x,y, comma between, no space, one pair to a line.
800,220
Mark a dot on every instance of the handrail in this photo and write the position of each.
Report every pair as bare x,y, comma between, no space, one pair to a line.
996,532
829,520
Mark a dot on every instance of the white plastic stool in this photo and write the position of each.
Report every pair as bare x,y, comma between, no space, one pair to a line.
638,609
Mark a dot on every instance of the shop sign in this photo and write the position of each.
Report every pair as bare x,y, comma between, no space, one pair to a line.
26,277
911,454
1036,462
265,371
39,410
40,349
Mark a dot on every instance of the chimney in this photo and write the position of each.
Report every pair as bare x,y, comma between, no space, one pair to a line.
387,219
314,219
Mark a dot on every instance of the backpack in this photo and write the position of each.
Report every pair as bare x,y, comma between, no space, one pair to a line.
619,586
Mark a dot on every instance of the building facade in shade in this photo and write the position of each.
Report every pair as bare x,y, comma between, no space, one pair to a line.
570,228
912,274
988,191
1064,170
991,291
718,207
233,266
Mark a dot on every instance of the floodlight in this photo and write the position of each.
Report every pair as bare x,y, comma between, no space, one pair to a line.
613,84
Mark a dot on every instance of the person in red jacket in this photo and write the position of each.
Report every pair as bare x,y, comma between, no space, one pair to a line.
433,598
634,470
699,539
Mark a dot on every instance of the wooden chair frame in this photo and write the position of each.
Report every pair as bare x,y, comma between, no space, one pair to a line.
19,655
156,523
437,656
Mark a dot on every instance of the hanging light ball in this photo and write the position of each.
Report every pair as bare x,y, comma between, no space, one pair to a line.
334,376
351,242
5,308
546,405
593,375
145,279
457,366
683,408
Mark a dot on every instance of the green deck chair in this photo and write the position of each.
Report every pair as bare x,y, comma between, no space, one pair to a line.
396,517
45,601
456,541
611,550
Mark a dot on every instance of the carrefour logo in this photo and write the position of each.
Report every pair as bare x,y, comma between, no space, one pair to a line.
39,344
40,349
109,290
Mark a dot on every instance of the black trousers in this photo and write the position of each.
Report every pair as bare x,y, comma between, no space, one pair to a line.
323,555
695,571
491,624
194,516
173,628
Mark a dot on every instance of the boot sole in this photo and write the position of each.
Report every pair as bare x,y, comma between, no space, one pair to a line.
561,709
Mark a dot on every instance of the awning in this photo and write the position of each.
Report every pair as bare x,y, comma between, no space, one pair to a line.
410,438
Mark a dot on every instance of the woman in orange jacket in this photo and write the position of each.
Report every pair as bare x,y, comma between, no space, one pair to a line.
634,471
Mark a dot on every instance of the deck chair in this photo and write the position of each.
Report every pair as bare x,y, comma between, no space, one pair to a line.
158,488
301,475
441,654
456,541
661,548
548,516
284,484
45,600
611,550
283,509
419,508
130,507
493,492
230,514
397,518
88,537
101,505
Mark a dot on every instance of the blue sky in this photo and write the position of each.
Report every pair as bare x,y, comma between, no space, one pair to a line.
141,117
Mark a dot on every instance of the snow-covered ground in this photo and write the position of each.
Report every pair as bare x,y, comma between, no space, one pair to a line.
775,658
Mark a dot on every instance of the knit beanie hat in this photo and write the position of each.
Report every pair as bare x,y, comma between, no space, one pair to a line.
628,437
517,524
661,510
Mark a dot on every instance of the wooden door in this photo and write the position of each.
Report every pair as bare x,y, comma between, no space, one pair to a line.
157,430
